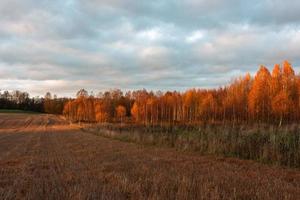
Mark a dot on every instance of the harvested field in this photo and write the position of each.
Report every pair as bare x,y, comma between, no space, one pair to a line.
43,157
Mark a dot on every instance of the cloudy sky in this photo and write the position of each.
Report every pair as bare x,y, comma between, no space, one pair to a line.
64,45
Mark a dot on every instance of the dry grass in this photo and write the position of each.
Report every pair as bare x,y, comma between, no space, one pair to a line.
44,158
264,143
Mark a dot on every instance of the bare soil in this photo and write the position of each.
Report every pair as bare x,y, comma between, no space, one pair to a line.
44,157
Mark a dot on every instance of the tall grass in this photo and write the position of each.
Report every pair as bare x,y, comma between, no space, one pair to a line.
263,143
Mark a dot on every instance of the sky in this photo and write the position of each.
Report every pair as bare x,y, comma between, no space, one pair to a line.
63,46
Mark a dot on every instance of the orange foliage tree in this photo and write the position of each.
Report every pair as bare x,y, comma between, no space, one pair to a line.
121,112
259,96
268,97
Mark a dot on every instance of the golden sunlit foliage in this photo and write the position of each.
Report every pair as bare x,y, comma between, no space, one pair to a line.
121,112
267,97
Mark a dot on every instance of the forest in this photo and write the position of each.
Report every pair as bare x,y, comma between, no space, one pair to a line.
268,97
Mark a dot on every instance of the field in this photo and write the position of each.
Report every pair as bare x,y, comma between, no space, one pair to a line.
15,111
44,157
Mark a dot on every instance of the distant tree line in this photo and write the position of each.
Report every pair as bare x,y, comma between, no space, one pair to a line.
269,97
109,106
21,101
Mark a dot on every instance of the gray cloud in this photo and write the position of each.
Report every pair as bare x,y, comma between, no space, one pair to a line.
62,46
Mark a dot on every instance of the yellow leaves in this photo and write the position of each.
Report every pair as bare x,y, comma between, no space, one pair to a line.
259,95
275,94
101,111
208,103
276,73
189,97
265,97
121,111
281,103
287,69
135,111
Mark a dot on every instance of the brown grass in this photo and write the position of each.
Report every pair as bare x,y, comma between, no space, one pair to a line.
264,143
42,157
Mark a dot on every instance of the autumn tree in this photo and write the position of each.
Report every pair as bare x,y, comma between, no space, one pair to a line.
259,101
82,93
281,104
121,112
48,102
289,86
235,104
208,108
266,97
189,105
101,111
135,112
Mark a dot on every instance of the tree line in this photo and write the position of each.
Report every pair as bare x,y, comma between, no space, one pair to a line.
19,100
269,97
